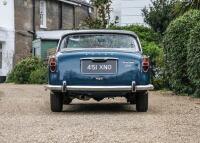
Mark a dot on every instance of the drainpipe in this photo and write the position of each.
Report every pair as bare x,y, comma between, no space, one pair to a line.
33,19
60,15
74,17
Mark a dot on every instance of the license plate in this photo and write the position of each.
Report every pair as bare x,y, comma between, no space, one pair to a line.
106,67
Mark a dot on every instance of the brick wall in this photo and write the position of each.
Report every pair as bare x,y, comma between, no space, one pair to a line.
67,16
81,13
24,22
52,11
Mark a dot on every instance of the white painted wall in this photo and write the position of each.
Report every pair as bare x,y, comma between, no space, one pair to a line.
7,35
128,11
7,14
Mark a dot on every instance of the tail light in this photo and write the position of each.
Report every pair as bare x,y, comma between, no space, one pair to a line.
145,64
52,64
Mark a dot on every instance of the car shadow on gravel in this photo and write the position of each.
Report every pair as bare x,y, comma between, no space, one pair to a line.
99,108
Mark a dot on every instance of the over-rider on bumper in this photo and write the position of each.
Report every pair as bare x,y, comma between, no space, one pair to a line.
133,88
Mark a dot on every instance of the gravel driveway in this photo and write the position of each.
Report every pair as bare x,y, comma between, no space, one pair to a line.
25,116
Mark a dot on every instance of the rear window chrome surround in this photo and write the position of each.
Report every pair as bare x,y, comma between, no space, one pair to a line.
121,32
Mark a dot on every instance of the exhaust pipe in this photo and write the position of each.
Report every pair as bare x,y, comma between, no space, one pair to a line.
84,98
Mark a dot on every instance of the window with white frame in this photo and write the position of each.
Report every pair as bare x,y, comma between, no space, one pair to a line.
1,46
43,14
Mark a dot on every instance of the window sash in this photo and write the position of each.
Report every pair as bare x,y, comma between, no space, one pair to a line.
1,58
42,14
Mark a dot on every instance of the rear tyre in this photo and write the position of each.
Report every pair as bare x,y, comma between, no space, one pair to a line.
132,99
142,102
56,101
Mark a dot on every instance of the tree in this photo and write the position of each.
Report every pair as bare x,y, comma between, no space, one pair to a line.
103,15
185,5
195,4
159,14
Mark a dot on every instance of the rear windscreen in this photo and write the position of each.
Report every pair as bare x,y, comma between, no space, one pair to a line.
100,41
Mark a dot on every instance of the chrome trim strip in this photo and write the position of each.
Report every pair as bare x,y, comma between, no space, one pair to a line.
144,87
100,49
100,88
107,58
53,87
74,32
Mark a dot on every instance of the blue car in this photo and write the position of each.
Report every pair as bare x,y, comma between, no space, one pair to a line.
99,64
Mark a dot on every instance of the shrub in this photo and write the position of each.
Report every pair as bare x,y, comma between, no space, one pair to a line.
39,76
193,59
92,23
156,55
175,51
145,34
155,52
22,70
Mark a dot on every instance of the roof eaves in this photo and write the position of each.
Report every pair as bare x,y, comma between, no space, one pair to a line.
69,2
76,2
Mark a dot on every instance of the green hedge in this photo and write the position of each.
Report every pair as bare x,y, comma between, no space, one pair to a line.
144,33
156,56
25,69
193,59
175,48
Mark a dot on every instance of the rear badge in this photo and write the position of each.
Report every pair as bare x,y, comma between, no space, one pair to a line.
128,64
99,78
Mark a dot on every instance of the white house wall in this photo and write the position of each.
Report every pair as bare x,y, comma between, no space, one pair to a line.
7,35
128,11
7,39
7,14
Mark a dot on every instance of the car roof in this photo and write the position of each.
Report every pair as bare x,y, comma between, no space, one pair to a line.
57,34
99,31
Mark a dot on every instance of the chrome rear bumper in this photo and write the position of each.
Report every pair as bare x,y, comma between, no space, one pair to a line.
100,88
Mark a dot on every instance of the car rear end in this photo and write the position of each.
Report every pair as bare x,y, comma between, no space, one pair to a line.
97,72
98,68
